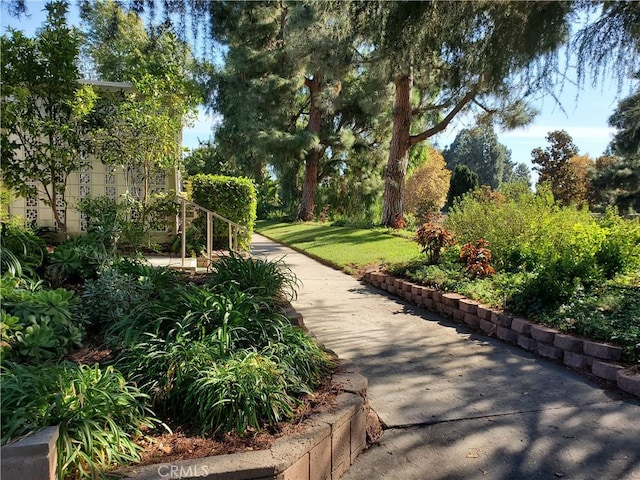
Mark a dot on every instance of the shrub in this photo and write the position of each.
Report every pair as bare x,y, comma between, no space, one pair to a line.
506,223
612,314
22,252
117,292
127,223
620,250
105,220
434,239
477,259
244,391
233,198
258,277
77,259
304,363
98,412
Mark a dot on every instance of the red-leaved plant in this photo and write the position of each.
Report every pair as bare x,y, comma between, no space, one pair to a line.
434,239
477,259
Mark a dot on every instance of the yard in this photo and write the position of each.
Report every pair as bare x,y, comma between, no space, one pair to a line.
119,354
556,265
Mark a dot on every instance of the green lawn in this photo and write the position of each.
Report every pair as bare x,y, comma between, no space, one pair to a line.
346,248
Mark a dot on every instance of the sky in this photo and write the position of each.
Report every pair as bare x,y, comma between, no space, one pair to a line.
583,112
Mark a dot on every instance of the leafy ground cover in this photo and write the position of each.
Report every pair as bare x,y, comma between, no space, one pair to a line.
346,248
132,350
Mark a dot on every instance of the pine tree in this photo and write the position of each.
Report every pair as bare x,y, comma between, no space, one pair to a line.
480,150
444,58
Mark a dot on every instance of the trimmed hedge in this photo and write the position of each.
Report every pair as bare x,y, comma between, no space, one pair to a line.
234,198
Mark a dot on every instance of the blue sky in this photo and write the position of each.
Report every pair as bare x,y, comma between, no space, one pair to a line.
584,117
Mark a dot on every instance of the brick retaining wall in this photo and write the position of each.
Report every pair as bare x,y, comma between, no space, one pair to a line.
592,358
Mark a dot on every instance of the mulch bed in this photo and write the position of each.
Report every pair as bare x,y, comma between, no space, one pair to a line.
183,443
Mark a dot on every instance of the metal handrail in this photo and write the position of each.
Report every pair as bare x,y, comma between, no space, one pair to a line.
234,228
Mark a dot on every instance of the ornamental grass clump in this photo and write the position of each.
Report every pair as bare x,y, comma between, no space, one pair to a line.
258,277
244,391
100,414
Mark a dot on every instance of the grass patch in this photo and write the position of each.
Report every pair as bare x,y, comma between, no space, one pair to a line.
346,248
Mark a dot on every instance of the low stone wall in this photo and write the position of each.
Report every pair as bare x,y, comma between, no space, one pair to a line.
593,358
34,457
324,450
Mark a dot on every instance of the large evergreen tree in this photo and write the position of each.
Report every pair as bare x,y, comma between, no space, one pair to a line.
445,58
617,177
291,94
480,150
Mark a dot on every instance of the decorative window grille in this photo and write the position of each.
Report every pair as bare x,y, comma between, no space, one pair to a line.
31,215
159,182
85,176
110,185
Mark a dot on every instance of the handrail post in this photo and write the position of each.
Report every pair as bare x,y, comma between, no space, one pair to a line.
230,237
209,239
184,231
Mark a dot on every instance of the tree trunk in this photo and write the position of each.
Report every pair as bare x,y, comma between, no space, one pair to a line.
308,202
53,199
392,213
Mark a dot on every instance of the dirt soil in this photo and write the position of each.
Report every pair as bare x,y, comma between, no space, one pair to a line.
183,443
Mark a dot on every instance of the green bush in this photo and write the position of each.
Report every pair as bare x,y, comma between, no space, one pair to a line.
128,224
612,314
304,363
233,198
98,412
620,250
171,342
258,277
122,287
562,248
244,391
105,220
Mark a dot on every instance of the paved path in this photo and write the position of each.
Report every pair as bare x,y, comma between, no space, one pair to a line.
457,405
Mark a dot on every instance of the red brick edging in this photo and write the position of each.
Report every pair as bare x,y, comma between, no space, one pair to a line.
593,358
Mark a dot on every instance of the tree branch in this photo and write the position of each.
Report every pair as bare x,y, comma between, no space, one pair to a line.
485,108
446,120
428,108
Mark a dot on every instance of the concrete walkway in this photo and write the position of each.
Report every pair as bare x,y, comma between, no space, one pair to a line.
457,405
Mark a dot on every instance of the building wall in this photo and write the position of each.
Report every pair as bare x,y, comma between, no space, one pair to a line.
95,181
